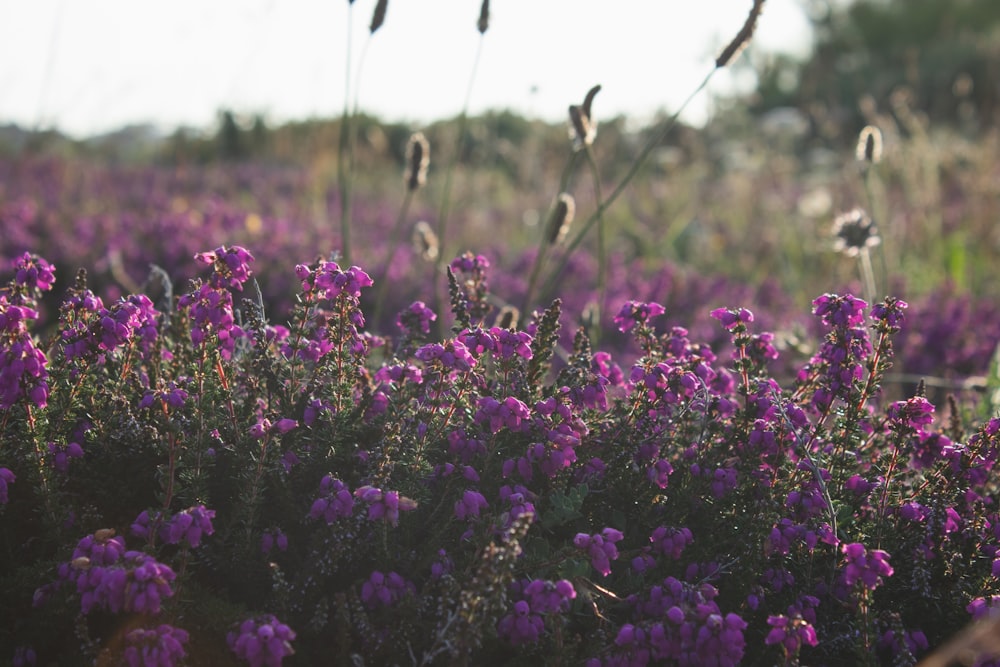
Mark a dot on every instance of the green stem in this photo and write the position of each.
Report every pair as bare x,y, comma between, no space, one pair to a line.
442,221
344,155
637,164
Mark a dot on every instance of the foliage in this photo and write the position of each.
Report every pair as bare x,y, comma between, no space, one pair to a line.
196,481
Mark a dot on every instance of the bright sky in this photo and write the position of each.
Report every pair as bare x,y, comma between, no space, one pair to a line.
88,66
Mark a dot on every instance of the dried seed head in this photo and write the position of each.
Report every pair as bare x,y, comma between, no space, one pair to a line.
854,231
582,127
484,17
508,317
869,150
561,219
378,18
742,39
418,156
589,100
581,130
425,242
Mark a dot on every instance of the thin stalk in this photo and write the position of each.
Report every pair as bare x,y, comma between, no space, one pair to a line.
343,154
602,257
637,164
867,274
443,210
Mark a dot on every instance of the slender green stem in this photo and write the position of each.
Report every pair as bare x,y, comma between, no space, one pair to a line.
867,275
634,168
443,210
602,256
344,155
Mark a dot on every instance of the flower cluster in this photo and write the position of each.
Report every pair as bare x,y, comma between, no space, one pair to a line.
335,501
110,578
263,641
23,367
384,590
525,622
600,547
384,506
162,646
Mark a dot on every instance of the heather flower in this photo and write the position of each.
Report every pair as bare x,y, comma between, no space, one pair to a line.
637,312
189,525
790,633
670,541
867,567
510,413
911,415
384,590
263,641
733,319
24,656
416,319
888,315
23,367
453,355
600,547
384,505
159,647
211,312
6,478
33,273
334,502
60,455
230,266
471,504
854,231
840,311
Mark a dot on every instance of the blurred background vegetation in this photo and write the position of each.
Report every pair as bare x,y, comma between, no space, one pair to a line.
751,195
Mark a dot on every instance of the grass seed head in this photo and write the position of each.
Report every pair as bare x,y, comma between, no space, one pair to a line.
418,156
561,219
378,18
484,17
425,242
869,149
742,38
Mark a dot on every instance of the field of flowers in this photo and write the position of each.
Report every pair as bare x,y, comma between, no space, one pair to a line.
728,399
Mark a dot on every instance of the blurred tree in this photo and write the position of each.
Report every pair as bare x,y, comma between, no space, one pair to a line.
230,137
945,52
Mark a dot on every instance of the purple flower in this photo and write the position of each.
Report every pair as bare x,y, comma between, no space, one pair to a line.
334,502
33,273
864,566
263,641
840,311
159,647
733,318
384,505
416,319
471,504
600,547
189,525
384,590
637,312
230,266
